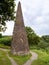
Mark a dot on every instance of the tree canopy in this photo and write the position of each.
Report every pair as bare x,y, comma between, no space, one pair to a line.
6,12
45,38
33,39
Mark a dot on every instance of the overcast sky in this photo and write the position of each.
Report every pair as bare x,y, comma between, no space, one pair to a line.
36,15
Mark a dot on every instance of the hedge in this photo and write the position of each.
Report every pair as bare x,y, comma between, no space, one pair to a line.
6,41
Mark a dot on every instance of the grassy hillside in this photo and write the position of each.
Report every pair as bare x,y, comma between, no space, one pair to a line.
40,45
43,58
42,49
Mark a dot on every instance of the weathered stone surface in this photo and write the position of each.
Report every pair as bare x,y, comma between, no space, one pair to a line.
19,44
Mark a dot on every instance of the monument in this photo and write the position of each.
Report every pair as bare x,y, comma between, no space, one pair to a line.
19,45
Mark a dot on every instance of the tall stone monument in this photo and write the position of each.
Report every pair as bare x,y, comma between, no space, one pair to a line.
19,44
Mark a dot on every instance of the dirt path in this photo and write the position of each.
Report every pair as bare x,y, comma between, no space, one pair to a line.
12,61
33,57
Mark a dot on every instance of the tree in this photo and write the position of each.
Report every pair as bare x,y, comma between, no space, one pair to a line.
45,38
33,39
6,12
44,42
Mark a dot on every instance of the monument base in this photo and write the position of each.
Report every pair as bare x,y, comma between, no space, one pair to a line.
20,53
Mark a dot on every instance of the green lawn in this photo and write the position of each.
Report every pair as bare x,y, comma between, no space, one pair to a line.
4,59
20,60
4,46
43,58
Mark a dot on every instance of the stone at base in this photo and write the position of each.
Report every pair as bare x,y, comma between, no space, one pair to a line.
21,53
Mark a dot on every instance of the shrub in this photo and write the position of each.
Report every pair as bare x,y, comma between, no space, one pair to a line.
6,41
42,44
33,39
0,35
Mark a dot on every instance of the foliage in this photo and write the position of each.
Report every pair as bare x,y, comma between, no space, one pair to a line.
46,38
0,35
6,12
35,42
6,41
47,49
33,39
42,44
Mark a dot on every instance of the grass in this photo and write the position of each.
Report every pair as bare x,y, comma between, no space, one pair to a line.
43,58
4,59
4,46
20,60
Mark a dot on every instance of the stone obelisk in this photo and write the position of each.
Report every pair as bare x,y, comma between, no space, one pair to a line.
19,44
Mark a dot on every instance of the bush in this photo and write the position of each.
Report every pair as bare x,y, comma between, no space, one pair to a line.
33,39
46,38
42,44
0,35
6,41
47,49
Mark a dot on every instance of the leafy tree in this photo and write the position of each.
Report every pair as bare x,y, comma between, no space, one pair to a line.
6,12
46,38
33,39
42,44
